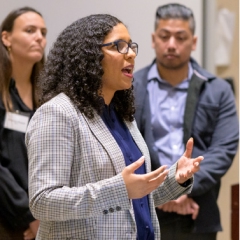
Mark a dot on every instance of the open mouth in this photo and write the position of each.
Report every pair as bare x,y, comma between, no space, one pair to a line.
128,69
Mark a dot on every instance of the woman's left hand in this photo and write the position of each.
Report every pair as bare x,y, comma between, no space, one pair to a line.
186,165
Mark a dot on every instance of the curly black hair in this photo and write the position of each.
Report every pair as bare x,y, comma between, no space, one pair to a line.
74,68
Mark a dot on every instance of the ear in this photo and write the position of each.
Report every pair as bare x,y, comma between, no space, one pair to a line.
153,40
6,39
194,45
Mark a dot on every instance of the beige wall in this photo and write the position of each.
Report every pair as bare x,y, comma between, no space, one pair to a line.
232,176
59,14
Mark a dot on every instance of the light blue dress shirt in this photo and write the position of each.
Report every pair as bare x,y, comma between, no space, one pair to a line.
167,105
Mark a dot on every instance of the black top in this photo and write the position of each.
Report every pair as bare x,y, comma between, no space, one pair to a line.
14,202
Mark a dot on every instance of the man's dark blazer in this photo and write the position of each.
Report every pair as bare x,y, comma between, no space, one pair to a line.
211,119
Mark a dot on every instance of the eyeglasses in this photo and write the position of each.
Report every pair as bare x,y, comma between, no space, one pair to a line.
123,46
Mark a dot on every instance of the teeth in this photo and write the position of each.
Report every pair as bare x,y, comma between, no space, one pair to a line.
127,69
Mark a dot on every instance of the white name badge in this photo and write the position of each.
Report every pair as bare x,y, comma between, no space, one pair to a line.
16,121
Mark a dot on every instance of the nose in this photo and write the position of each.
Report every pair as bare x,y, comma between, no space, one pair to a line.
172,42
39,35
131,53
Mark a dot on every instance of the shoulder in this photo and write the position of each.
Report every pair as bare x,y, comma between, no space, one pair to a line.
57,116
213,83
140,81
219,87
62,103
61,100
142,73
58,109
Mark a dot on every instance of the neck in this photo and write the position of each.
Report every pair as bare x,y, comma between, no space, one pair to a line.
107,100
21,73
107,96
173,76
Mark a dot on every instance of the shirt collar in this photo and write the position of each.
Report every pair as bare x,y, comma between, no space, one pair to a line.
153,74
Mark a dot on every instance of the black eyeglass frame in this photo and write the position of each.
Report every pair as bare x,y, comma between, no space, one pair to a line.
120,40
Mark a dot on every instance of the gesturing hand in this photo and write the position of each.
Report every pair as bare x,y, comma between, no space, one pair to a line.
140,185
187,166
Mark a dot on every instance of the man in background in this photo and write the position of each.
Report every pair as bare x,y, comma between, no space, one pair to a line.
177,99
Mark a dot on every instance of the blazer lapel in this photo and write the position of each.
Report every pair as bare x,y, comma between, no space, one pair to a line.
101,132
191,103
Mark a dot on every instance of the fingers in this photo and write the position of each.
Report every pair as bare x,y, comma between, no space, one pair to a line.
139,185
189,148
28,235
182,205
26,232
134,166
187,167
185,176
168,207
197,161
195,208
34,227
196,164
160,207
149,176
160,172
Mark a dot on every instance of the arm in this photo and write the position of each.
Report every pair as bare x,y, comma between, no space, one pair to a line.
14,200
52,139
221,148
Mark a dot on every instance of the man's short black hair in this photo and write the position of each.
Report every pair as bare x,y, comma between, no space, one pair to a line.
175,11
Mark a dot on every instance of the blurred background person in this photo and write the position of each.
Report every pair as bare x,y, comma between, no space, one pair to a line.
23,40
177,99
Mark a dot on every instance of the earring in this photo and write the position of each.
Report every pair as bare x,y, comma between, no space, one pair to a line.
9,49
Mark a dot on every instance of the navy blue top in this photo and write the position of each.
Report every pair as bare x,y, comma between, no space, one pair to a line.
131,153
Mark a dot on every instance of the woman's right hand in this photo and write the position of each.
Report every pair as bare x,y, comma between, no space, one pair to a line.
140,185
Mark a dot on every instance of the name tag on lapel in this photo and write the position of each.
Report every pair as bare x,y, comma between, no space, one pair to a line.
16,121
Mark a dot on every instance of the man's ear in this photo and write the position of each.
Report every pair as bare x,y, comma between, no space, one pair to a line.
153,40
6,39
194,45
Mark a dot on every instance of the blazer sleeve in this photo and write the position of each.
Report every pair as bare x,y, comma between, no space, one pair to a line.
170,189
51,139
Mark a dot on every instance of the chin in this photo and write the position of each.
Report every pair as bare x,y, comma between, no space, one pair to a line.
128,87
172,65
36,58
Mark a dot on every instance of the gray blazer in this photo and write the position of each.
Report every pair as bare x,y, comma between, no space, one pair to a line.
76,188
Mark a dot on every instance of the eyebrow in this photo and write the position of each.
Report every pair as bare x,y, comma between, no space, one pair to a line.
177,32
130,40
36,27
